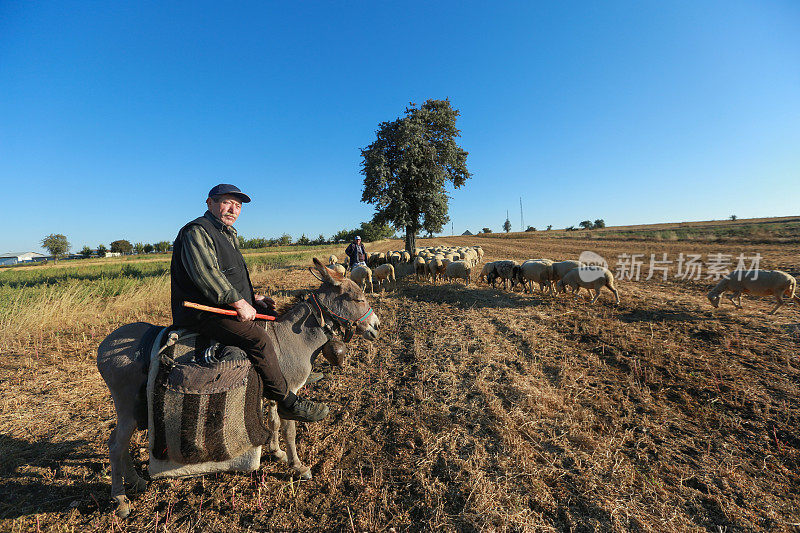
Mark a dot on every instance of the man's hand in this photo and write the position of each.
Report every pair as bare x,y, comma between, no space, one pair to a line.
244,311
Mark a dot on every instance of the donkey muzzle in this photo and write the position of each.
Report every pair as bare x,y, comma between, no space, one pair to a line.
334,351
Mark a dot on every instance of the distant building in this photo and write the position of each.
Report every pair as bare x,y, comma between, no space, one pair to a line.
468,232
12,258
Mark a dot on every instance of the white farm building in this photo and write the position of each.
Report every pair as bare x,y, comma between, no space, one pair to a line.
13,258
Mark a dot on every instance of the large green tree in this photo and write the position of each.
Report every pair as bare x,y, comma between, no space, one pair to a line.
408,165
56,244
121,246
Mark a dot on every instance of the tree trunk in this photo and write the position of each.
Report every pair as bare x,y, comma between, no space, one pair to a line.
411,239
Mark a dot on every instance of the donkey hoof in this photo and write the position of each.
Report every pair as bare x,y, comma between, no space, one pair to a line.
123,506
303,472
280,456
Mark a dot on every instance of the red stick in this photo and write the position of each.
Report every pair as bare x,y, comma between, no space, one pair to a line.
229,312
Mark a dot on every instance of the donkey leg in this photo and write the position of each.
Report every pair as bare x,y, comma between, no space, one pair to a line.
289,428
118,445
274,442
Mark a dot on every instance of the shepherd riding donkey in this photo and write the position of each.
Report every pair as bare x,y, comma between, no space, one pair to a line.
201,402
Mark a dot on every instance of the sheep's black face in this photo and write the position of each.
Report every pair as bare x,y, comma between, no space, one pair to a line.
714,299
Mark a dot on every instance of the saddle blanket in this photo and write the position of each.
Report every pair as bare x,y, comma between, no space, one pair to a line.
204,408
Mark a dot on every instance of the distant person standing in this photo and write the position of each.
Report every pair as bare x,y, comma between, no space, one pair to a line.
357,253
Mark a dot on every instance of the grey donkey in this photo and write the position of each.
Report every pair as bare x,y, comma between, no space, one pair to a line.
299,332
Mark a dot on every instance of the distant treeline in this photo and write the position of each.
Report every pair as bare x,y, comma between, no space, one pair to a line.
368,232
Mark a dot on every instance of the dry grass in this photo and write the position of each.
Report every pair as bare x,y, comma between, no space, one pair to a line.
476,410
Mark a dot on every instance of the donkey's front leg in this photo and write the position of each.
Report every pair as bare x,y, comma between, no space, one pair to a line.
274,424
289,428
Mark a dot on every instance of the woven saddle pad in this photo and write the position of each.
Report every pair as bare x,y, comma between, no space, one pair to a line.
204,408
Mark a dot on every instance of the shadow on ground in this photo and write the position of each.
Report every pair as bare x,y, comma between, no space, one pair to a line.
46,476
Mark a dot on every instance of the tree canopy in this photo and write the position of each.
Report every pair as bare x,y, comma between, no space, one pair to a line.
507,226
56,244
408,165
121,246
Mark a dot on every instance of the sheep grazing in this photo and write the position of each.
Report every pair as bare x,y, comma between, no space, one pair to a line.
487,267
362,276
758,283
384,272
588,277
533,270
458,269
501,270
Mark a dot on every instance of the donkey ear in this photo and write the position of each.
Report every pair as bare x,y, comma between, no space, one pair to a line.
328,275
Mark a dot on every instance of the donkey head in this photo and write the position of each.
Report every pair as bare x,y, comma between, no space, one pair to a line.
347,302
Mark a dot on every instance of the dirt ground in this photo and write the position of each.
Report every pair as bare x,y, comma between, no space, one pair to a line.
478,409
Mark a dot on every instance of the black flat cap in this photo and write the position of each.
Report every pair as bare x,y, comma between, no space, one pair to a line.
227,188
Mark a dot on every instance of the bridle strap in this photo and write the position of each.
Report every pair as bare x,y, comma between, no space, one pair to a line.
350,323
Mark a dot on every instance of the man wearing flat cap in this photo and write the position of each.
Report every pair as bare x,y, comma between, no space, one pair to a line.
208,268
357,253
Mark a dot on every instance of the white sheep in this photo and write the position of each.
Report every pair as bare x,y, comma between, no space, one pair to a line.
458,269
337,268
487,267
362,276
533,270
501,270
384,272
436,267
758,283
420,267
332,260
588,277
562,267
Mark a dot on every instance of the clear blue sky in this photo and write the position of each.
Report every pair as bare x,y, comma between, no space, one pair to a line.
117,117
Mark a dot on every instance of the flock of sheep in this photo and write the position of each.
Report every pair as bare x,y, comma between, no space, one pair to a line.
452,263
549,274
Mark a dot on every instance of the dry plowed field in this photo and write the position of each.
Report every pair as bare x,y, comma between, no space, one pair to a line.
478,409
